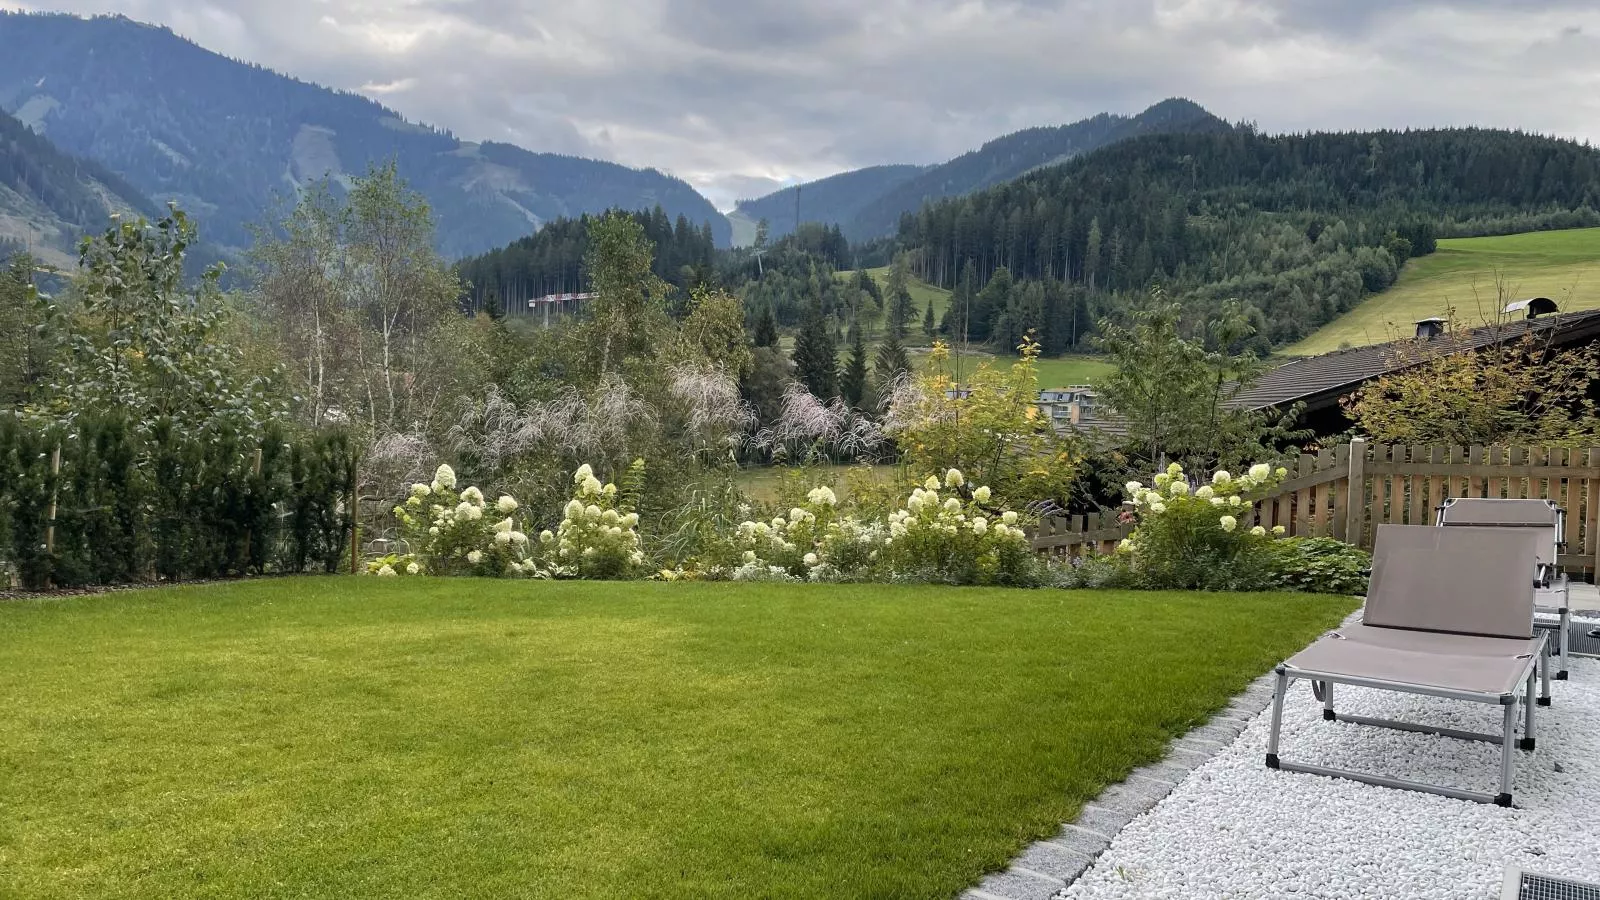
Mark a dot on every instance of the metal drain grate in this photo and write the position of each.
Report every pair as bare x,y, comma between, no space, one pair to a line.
1520,885
1581,644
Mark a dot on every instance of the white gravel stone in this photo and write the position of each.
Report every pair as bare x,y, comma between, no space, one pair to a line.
1236,829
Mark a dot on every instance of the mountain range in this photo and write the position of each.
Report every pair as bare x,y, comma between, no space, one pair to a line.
868,203
49,198
229,140
116,115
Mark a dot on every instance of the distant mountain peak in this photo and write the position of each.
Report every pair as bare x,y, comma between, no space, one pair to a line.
868,203
231,140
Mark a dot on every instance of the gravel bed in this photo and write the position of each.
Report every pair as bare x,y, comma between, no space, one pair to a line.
1236,829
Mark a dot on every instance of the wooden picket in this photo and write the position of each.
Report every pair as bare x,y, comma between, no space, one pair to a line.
1345,492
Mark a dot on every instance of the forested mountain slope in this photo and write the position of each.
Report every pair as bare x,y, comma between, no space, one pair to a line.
833,200
1300,227
1014,155
49,199
226,138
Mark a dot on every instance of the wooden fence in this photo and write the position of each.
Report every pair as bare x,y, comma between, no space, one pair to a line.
1395,485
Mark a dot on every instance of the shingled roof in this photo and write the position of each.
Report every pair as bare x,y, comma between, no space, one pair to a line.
1319,381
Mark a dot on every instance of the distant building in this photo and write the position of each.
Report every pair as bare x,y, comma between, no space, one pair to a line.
1069,408
1321,381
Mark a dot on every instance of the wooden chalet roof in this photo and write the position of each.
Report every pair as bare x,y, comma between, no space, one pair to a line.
1320,381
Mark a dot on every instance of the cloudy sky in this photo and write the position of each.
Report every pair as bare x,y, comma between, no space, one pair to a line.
740,96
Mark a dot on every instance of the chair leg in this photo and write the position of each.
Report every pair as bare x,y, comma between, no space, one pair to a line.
1542,664
1508,730
1565,642
1527,722
1327,701
1281,688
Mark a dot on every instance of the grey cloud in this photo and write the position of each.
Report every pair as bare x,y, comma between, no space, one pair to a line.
736,94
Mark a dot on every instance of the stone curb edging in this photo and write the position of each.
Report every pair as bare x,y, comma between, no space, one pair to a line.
1045,868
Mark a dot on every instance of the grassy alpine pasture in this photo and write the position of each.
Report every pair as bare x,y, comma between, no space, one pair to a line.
341,737
921,293
1058,371
1465,274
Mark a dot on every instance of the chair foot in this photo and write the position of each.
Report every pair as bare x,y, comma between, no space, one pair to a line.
1561,675
1502,800
1526,744
1272,760
1544,701
1328,716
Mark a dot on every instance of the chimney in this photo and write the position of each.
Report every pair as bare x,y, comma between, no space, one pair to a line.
1427,329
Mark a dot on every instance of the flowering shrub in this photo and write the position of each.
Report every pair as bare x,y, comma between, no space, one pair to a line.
812,542
952,537
1194,535
456,534
950,532
597,537
943,533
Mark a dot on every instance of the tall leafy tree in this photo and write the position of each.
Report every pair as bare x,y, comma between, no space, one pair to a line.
1175,395
145,345
902,309
628,311
366,311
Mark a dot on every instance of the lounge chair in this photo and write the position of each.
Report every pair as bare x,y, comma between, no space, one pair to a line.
1449,614
1551,600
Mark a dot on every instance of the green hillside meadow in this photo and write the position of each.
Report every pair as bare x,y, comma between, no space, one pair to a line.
1469,276
1062,371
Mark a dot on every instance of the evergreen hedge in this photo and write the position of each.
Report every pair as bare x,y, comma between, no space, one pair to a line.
167,503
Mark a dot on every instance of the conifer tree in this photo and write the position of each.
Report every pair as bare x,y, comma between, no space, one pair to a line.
766,328
853,381
890,361
815,357
930,324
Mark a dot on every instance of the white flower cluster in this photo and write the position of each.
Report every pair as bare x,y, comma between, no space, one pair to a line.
812,542
1226,494
594,539
449,533
955,538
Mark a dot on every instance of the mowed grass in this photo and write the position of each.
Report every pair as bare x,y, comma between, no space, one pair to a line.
343,737
1465,274
762,483
1054,372
921,292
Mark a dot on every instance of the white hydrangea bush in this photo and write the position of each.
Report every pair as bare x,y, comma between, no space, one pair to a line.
947,533
597,538
811,542
1191,534
457,533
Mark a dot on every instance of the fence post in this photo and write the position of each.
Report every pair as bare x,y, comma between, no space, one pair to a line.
355,521
50,520
1355,514
255,473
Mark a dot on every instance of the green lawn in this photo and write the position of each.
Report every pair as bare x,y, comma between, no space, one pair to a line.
1059,371
1462,273
371,738
761,483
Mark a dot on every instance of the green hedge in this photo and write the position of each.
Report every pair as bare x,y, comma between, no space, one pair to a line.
168,504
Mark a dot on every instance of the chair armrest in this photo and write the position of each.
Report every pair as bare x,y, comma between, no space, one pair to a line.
1542,574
